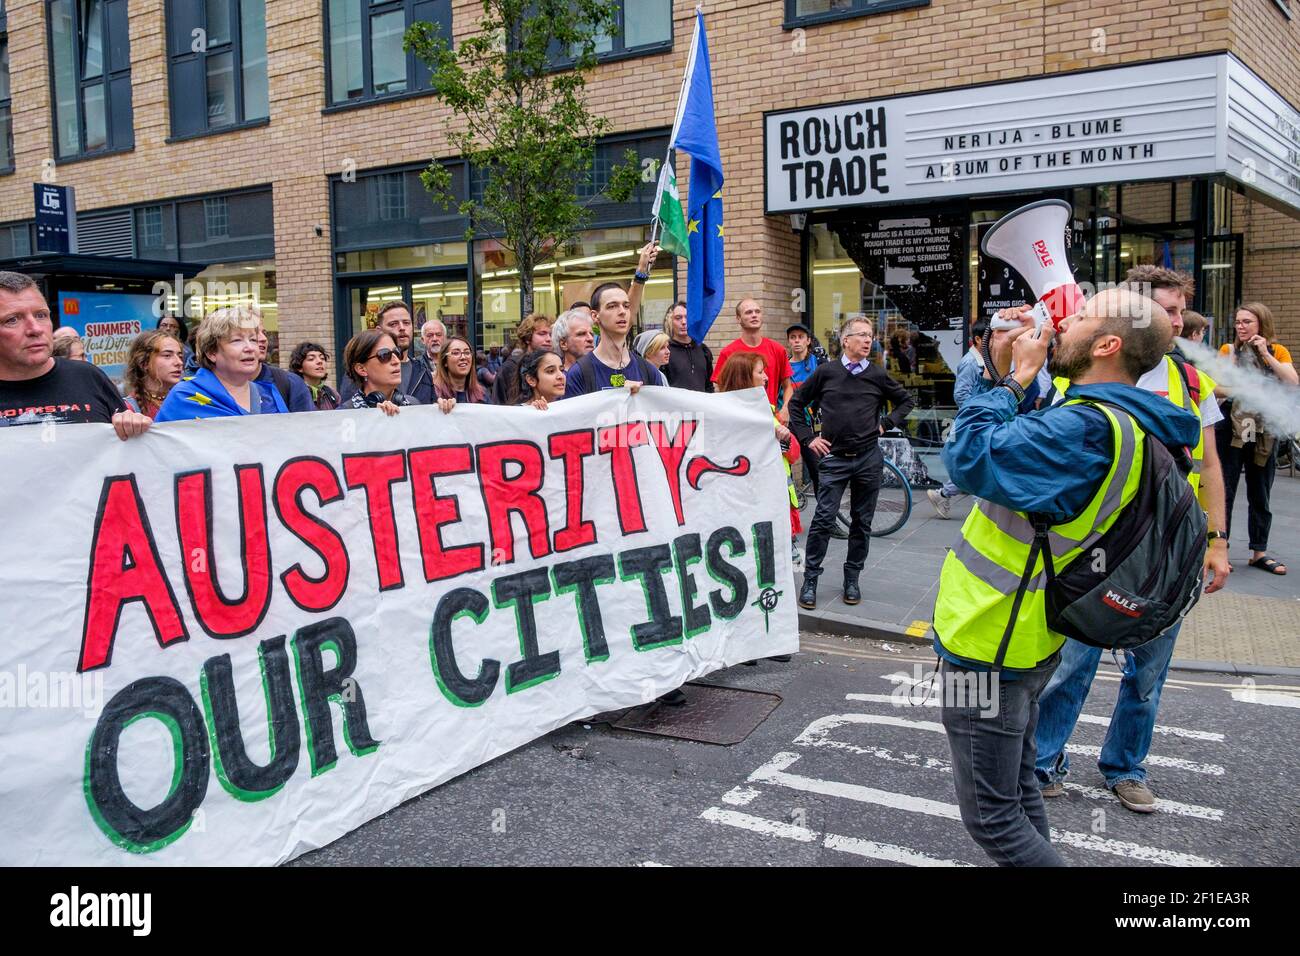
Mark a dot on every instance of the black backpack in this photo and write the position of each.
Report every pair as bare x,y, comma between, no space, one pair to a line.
1142,576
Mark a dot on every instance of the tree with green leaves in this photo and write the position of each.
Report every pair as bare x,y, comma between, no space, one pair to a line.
517,86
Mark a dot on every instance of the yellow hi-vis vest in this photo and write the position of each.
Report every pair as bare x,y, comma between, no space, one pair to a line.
1177,394
978,583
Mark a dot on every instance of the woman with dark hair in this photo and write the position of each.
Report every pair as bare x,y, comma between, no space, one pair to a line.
746,370
455,375
373,362
311,362
1244,441
154,363
176,328
541,378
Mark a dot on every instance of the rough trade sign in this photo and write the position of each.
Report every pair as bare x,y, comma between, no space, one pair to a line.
302,621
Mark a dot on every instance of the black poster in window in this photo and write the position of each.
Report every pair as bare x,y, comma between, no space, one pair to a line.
915,256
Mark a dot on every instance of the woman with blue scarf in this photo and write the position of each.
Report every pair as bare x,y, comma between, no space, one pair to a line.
226,347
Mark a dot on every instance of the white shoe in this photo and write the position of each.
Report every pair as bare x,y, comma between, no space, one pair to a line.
796,557
942,505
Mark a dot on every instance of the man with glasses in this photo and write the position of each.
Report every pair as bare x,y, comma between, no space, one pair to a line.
850,395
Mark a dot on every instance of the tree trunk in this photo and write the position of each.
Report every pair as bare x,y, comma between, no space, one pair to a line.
524,259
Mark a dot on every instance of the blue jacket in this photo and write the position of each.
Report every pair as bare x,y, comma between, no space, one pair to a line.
1050,461
299,399
203,396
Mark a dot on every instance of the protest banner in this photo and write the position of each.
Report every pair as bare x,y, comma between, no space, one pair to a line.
236,640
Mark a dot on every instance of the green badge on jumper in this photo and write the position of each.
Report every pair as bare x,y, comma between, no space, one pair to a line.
618,381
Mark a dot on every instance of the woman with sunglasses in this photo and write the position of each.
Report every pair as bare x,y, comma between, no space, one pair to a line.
455,376
541,378
374,365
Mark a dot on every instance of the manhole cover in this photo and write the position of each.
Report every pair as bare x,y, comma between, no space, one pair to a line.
711,715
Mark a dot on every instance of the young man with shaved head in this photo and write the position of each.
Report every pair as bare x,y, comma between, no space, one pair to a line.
780,376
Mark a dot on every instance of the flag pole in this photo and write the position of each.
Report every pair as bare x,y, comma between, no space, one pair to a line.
677,117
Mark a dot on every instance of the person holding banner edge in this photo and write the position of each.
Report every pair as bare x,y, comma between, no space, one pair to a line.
35,387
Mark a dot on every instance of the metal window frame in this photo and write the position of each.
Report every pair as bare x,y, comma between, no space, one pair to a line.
369,9
110,136
620,50
860,8
6,104
234,46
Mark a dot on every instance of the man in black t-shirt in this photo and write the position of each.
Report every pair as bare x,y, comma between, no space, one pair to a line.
35,387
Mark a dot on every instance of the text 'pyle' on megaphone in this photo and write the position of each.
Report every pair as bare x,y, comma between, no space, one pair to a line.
1031,240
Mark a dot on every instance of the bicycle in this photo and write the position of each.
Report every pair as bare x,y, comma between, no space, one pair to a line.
893,505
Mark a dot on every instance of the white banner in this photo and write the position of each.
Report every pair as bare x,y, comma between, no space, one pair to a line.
233,641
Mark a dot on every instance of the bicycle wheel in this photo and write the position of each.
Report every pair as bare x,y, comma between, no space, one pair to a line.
894,504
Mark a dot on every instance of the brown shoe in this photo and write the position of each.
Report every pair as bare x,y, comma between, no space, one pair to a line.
1136,796
1054,789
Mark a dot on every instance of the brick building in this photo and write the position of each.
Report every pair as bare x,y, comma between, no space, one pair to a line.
278,145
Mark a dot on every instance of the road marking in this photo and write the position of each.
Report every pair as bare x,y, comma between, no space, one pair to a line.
652,863
908,700
1162,805
773,772
740,796
885,851
888,852
816,735
776,828
1087,750
917,629
1134,851
1251,695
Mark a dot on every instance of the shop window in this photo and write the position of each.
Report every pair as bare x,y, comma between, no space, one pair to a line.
393,208
6,114
226,228
640,27
430,256
365,59
15,241
595,257
800,13
91,72
217,54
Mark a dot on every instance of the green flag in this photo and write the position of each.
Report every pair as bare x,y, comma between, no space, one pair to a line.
668,210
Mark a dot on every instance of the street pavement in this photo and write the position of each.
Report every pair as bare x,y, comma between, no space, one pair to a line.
1250,627
852,769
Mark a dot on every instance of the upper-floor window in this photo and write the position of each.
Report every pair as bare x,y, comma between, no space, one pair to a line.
640,27
90,59
6,115
217,54
804,12
365,57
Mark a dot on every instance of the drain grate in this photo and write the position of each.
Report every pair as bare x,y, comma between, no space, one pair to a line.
711,715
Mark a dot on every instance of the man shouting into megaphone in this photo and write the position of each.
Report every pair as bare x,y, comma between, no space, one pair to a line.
1076,467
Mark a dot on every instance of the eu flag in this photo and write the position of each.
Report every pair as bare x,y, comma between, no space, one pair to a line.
696,132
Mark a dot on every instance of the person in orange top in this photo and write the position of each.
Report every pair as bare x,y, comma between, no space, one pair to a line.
1243,440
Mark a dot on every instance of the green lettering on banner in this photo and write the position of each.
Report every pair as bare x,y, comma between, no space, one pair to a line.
583,577
726,574
525,590
649,565
686,552
455,686
318,688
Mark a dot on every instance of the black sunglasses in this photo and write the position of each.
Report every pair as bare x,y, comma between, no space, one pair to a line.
386,355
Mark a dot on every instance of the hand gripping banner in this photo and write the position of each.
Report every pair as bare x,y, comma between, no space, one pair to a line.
234,641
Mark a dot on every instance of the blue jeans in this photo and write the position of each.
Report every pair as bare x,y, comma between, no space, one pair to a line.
1128,739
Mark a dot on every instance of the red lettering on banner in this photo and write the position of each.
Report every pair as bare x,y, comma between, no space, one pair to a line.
220,616
124,567
296,476
617,442
671,452
504,496
573,447
433,511
376,472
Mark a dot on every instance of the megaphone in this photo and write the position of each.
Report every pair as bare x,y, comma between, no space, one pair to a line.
1031,240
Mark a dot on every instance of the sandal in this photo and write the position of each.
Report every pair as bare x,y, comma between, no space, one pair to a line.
1268,564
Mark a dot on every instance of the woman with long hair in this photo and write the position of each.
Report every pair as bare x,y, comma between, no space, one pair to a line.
154,365
541,378
455,373
747,370
1244,441
311,362
225,385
